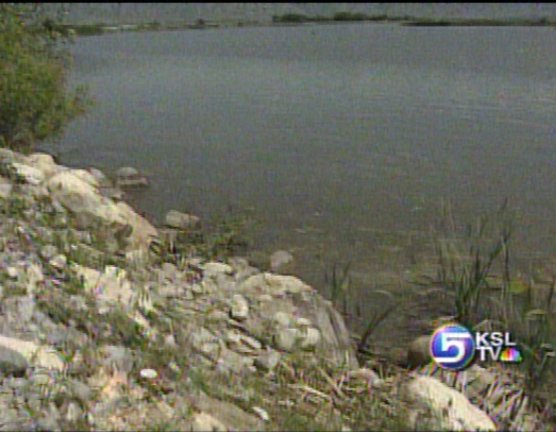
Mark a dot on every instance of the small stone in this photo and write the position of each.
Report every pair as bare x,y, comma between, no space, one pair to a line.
240,307
197,289
170,341
80,391
48,251
203,422
217,315
12,362
59,262
214,268
73,412
303,322
41,379
286,339
265,298
29,174
282,319
261,413
279,260
267,361
118,357
12,272
149,374
179,220
125,172
169,270
251,342
5,190
311,338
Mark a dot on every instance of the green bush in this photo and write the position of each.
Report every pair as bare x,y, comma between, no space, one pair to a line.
34,102
349,16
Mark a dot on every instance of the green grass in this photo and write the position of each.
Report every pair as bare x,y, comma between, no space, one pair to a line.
470,265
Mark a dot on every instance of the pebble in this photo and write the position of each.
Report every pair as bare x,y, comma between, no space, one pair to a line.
286,339
240,308
282,319
261,413
49,251
205,422
149,374
59,262
73,412
12,272
311,338
267,361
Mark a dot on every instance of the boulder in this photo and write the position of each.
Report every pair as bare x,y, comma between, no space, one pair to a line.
92,209
179,220
440,407
418,352
84,201
291,297
45,163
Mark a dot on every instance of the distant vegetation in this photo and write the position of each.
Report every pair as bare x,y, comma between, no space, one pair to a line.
339,16
295,18
35,103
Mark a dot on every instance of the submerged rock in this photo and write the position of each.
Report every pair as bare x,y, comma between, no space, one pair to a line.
129,177
179,220
280,261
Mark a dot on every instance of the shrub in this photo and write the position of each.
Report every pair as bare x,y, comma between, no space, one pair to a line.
34,102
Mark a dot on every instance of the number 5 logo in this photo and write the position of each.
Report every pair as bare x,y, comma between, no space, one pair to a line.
452,347
456,340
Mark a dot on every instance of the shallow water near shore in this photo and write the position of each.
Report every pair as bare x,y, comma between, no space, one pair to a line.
340,139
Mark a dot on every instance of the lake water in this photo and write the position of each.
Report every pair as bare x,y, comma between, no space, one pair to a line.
341,139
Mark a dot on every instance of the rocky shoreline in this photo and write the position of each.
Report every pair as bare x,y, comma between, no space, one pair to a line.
102,328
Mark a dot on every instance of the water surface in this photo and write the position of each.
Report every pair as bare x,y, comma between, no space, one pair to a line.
335,135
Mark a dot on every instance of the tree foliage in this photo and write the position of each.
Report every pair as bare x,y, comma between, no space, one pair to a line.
35,103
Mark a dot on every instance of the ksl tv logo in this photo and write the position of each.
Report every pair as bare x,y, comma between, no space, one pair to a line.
454,347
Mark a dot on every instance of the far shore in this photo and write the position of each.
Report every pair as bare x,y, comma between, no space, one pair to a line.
301,20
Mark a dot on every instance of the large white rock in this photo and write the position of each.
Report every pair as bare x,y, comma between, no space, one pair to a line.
86,176
109,287
29,174
448,409
45,163
36,355
84,200
91,208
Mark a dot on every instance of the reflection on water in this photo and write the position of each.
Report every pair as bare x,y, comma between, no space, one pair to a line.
331,133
